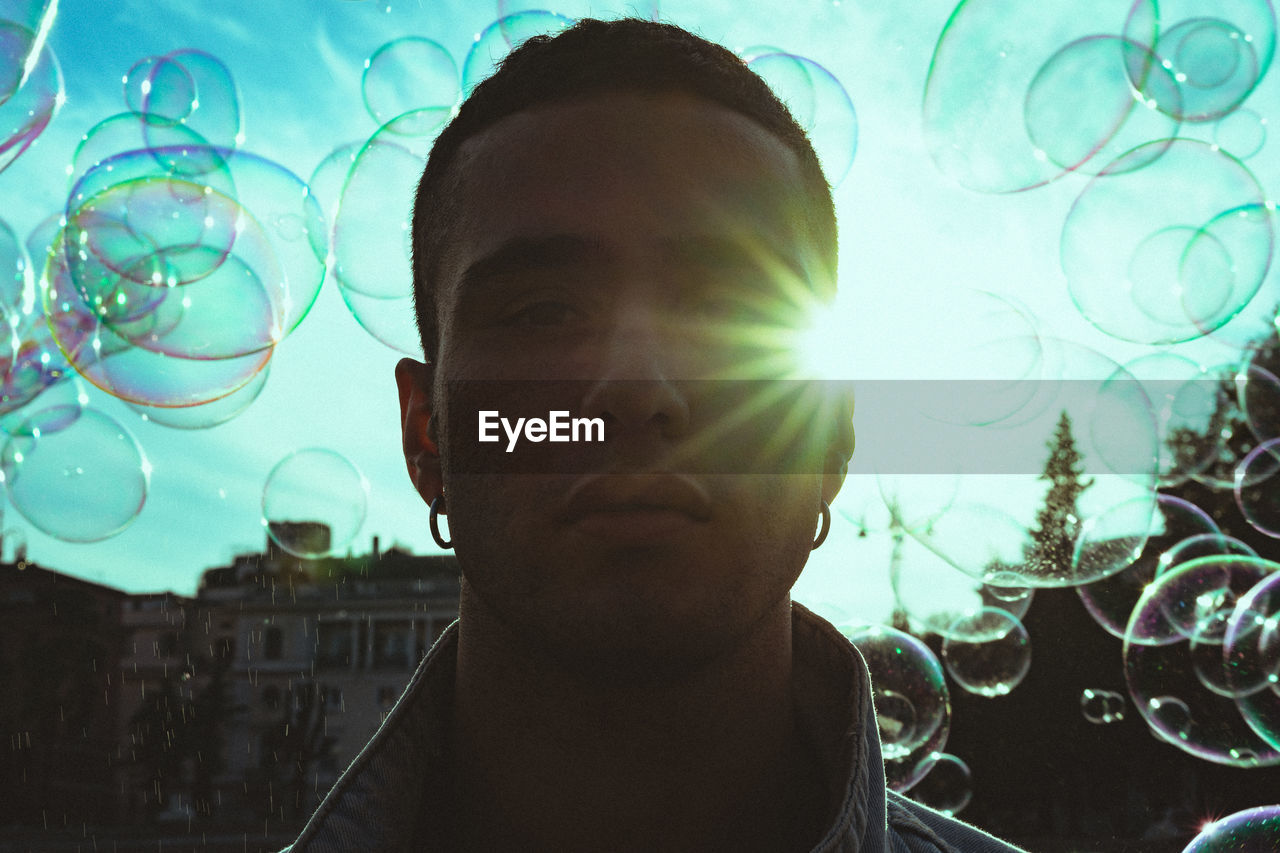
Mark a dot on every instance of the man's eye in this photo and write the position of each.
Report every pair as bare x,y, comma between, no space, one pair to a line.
543,314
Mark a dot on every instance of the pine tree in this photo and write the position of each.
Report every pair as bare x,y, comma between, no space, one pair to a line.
1058,521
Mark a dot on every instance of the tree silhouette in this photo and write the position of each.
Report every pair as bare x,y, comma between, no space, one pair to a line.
1057,521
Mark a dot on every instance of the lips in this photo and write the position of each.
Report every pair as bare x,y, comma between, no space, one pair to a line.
627,494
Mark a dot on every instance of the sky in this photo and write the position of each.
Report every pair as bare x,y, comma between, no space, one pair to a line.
976,242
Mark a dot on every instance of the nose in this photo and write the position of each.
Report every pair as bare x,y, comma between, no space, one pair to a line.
634,386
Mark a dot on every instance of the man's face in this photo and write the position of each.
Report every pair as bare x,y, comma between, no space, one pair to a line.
611,249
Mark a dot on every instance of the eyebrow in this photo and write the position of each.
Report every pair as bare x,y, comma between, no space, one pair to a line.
522,254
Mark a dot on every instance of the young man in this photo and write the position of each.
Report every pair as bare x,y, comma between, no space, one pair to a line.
622,224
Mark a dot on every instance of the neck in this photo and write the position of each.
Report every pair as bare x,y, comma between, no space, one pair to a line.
708,758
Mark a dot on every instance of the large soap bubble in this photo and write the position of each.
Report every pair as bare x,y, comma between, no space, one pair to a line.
75,474
1110,601
819,104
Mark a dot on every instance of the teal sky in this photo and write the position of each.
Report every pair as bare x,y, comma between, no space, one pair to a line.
915,243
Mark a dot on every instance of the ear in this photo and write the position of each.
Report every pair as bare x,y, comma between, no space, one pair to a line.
421,455
840,450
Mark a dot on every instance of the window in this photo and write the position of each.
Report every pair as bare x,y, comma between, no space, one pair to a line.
333,645
391,645
272,643
271,697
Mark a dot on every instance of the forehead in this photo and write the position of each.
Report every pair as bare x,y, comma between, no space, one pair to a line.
628,171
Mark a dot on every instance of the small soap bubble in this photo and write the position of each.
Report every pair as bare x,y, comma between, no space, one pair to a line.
1102,707
314,502
819,104
947,787
988,652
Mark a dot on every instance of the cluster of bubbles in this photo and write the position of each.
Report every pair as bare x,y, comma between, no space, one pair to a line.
1169,239
1102,706
180,260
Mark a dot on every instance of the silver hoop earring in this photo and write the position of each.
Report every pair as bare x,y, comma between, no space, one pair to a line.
822,534
436,503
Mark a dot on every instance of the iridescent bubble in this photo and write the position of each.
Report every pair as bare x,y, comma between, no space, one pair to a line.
947,787
1217,61
160,89
82,482
35,90
314,502
56,406
406,76
1251,653
979,98
905,672
1082,110
190,88
819,104
209,414
390,321
370,236
497,40
1241,133
1101,707
1171,251
1252,830
1202,545
1110,601
1182,608
988,652
1258,489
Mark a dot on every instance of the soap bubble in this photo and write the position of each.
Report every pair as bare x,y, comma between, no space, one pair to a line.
907,683
1258,489
314,502
1258,395
208,414
1251,652
1182,608
30,93
1202,545
80,478
371,237
404,77
1082,110
188,88
988,652
1168,252
947,787
1252,830
819,104
1110,601
1102,707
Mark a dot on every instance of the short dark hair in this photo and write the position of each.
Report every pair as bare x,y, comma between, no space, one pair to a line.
589,58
